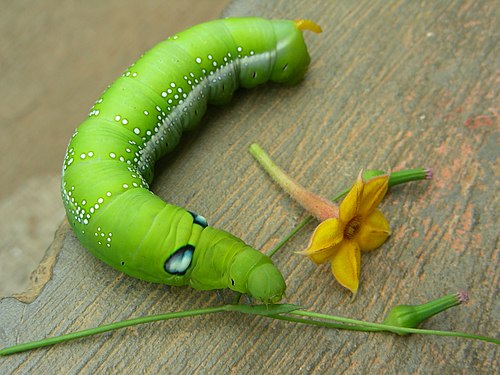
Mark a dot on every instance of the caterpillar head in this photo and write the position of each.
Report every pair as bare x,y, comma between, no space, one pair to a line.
220,260
253,273
266,283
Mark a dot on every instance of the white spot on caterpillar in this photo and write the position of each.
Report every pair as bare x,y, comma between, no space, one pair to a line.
100,200
125,186
198,60
83,156
112,155
124,121
146,113
90,154
108,194
164,94
137,130
117,118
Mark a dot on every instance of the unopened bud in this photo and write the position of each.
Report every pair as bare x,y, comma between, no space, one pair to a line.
410,316
400,177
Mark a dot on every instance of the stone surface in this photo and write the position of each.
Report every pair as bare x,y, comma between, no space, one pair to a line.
391,85
56,58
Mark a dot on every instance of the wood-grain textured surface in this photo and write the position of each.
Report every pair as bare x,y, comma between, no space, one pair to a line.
392,85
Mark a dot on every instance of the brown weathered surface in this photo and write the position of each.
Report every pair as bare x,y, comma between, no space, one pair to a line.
55,59
394,85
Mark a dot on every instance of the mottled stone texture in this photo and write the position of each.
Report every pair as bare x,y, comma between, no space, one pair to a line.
392,85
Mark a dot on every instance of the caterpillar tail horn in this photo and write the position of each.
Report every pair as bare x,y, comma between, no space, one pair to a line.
307,25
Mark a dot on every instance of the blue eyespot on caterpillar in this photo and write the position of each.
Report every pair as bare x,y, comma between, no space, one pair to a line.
140,117
198,219
179,262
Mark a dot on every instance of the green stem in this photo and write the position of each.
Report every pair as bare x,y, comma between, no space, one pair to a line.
105,328
317,323
316,205
270,311
388,328
255,310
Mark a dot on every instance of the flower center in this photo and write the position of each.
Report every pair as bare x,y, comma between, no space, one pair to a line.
352,228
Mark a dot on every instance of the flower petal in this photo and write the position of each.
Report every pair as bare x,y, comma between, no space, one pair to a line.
327,235
350,205
373,231
373,193
346,265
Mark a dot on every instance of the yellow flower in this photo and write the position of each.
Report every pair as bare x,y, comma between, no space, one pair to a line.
360,226
345,231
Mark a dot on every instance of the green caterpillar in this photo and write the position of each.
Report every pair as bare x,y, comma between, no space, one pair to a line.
140,117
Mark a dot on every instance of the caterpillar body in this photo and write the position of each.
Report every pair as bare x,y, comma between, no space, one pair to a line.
140,117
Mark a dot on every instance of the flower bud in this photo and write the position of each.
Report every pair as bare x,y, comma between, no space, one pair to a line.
410,316
408,175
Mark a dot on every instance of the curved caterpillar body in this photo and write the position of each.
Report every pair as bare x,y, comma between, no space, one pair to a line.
140,117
